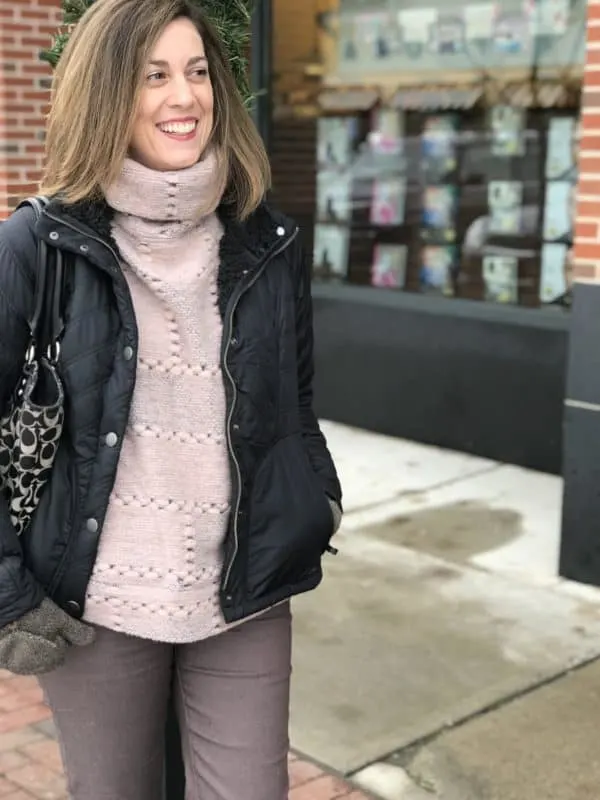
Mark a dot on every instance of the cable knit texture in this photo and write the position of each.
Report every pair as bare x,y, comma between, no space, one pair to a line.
159,564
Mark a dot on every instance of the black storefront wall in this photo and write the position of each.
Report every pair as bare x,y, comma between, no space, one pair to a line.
464,375
580,543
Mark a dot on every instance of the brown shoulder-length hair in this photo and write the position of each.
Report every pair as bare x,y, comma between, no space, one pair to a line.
95,94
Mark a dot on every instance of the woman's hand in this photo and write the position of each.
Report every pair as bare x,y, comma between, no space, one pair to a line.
38,642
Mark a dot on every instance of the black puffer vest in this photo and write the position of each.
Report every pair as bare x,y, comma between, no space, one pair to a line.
282,473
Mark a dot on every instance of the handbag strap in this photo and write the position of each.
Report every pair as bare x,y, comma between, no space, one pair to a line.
46,324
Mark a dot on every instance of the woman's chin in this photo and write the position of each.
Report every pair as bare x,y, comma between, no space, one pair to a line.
174,164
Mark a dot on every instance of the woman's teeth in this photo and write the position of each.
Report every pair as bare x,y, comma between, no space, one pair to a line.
178,127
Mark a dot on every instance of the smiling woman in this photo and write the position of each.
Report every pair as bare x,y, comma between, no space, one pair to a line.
192,494
151,74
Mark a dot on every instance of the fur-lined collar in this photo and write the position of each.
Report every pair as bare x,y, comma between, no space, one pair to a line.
243,245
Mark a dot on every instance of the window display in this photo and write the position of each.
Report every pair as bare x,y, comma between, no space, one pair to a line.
457,176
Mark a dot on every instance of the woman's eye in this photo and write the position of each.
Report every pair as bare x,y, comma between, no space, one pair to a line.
156,76
201,72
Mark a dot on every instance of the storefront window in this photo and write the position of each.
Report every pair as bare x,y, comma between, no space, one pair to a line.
432,149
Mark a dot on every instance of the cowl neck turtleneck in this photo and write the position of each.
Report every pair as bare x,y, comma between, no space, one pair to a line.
164,205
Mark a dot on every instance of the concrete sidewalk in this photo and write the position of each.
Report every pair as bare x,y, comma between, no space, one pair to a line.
440,657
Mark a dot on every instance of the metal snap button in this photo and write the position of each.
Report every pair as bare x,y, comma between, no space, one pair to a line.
280,231
111,439
84,248
128,353
92,525
236,427
54,236
74,607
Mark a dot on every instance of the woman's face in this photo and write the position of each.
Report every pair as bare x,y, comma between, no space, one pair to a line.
174,118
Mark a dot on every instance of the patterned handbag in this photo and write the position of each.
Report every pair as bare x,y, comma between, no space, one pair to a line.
31,427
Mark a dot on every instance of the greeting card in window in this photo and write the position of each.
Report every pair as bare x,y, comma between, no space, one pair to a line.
501,278
336,139
561,155
387,131
559,210
439,210
331,246
389,266
438,144
438,267
334,203
505,200
389,200
508,131
553,278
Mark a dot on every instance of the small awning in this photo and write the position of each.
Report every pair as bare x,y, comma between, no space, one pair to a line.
435,98
348,100
547,94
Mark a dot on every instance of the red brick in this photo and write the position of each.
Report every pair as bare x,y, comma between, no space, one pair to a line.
23,683
14,701
584,271
593,34
592,78
591,96
13,740
34,41
589,164
589,187
41,15
586,230
301,772
11,759
6,787
20,795
587,252
590,209
326,788
17,27
23,717
591,122
39,781
47,753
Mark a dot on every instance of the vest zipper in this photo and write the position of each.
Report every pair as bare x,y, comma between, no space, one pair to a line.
229,322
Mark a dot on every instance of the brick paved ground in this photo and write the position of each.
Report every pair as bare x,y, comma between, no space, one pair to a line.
30,765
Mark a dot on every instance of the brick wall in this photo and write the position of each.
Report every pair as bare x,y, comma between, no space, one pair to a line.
587,229
26,27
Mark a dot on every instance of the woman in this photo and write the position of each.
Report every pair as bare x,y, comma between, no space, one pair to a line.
192,494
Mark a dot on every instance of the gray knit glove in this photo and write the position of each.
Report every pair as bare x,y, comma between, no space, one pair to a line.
38,642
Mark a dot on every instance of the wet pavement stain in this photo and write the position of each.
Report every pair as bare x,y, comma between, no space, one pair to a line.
454,532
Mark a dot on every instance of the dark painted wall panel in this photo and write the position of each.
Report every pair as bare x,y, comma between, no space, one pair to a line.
580,542
468,376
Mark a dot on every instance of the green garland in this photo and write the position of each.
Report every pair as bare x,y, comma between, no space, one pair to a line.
231,19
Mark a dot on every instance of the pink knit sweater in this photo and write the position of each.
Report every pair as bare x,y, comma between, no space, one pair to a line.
159,562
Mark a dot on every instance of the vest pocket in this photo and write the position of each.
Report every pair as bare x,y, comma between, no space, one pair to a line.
291,522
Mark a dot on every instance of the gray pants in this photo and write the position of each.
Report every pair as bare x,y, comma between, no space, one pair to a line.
110,705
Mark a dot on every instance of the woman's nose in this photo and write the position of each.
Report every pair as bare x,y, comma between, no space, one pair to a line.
181,94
